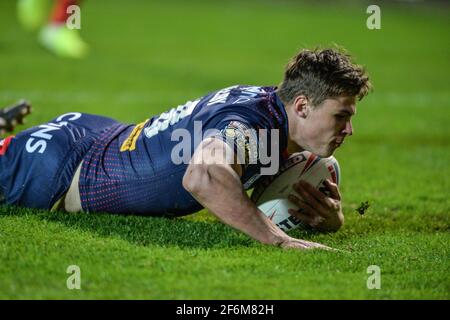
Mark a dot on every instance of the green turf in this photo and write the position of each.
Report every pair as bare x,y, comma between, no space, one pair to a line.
149,56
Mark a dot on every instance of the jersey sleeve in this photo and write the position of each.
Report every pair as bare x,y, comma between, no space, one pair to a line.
252,130
242,139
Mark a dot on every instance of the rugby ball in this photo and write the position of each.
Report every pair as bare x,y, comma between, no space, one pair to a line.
271,192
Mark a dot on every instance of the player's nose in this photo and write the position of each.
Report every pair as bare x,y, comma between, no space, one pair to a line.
348,128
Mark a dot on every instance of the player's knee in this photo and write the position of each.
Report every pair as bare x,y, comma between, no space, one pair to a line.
72,200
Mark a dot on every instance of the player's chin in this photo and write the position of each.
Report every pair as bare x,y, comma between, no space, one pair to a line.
326,152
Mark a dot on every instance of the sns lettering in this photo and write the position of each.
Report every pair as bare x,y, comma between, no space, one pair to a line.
38,140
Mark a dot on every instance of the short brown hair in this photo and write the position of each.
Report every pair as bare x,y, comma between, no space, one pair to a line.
321,74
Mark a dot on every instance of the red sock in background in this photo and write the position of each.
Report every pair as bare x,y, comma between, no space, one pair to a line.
59,14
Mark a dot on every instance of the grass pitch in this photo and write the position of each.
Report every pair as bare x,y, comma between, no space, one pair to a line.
148,57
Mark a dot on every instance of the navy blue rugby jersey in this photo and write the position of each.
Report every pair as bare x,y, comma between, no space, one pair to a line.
132,169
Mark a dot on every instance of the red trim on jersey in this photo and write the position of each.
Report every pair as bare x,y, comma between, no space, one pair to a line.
5,144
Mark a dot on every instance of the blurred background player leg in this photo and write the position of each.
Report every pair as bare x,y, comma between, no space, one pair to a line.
54,35
13,115
58,38
33,14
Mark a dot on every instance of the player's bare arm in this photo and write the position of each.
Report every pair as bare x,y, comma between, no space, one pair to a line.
216,185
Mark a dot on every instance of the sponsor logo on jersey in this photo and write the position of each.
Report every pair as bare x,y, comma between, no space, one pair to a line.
130,143
40,138
170,118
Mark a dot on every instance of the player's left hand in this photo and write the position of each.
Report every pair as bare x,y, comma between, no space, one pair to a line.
319,211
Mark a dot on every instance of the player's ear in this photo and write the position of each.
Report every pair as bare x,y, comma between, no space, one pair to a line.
300,106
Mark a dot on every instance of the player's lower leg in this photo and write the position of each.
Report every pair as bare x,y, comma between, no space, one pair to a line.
58,38
33,14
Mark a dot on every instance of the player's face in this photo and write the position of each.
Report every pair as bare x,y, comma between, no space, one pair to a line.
323,128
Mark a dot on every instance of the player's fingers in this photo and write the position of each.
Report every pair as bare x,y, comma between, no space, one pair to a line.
314,222
319,196
328,248
307,215
308,198
294,199
307,209
334,189
301,215
315,245
295,245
